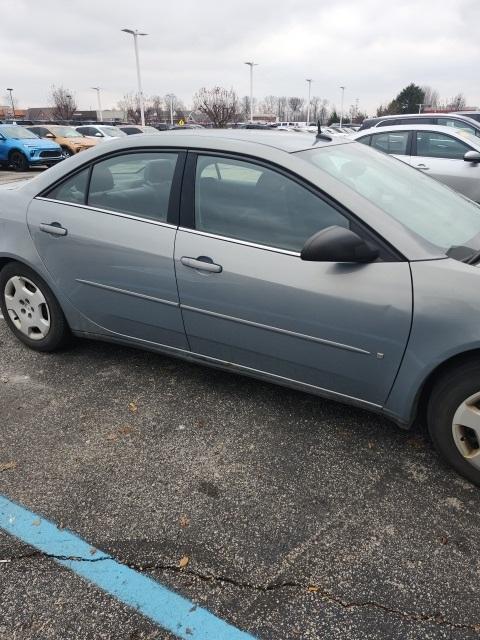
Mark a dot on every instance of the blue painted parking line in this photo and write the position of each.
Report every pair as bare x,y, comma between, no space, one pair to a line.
171,611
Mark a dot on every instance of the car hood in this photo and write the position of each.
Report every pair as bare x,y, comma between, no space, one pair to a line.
37,143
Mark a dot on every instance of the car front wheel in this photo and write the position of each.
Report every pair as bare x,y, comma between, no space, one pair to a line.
454,419
30,309
67,152
18,161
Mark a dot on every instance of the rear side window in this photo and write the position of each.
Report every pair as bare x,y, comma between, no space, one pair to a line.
457,124
72,190
395,142
437,145
365,140
239,199
388,123
134,183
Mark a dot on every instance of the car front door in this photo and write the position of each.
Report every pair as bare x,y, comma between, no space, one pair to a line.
441,156
248,299
106,234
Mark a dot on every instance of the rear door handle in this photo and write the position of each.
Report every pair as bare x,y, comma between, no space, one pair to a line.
202,263
54,229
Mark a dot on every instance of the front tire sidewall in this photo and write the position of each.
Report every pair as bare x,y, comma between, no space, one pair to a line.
58,334
448,394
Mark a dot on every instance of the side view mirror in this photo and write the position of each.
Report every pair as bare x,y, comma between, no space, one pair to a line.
337,244
472,156
49,135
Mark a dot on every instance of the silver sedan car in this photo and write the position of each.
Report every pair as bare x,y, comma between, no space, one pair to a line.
312,262
447,154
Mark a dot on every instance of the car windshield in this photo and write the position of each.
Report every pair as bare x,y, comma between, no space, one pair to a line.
66,132
113,132
16,132
444,218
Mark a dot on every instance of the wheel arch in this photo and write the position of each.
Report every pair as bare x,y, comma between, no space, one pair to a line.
421,399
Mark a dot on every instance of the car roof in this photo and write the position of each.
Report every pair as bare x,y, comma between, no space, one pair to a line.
289,142
401,116
461,134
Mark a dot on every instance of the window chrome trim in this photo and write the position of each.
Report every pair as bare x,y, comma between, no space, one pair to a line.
128,293
119,214
294,334
238,241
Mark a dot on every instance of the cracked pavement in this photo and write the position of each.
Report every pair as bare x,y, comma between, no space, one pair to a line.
301,518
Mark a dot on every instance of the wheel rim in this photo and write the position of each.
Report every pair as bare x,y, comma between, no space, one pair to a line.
466,429
27,307
67,153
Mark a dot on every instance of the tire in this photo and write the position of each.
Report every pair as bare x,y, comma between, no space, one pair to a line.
18,161
67,152
31,310
452,407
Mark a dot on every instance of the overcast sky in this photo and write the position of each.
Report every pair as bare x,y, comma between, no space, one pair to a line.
373,47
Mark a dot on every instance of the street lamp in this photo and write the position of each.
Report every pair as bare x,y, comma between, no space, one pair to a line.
309,80
135,33
100,112
251,65
341,107
11,100
171,96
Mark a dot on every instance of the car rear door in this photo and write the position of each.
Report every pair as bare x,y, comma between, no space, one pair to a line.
395,143
441,156
106,234
248,299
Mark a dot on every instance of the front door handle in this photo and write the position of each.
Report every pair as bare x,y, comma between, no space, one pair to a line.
54,229
423,167
202,263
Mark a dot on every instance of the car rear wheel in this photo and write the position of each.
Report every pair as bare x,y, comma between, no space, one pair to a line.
67,152
18,161
454,419
30,309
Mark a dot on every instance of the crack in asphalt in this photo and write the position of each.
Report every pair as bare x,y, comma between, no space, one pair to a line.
314,589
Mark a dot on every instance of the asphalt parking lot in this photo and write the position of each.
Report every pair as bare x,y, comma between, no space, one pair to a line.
286,515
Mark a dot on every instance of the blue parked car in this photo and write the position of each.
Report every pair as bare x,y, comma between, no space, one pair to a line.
21,149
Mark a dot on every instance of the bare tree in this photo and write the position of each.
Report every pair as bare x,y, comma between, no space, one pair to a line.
244,108
295,103
282,108
458,102
431,98
64,105
218,104
269,104
157,103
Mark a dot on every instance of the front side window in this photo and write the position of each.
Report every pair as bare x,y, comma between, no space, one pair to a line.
395,142
246,201
437,145
456,124
134,183
73,190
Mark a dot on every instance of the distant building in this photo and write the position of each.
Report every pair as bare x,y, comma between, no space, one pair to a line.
40,113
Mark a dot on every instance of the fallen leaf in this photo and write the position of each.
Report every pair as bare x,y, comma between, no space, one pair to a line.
313,589
370,445
126,430
132,407
184,521
184,562
37,522
6,466
444,540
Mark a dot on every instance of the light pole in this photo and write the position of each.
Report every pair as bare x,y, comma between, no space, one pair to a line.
251,65
135,33
341,107
420,105
170,96
100,112
309,80
11,100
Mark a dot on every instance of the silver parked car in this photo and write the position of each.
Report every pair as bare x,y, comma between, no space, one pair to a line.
449,155
314,263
